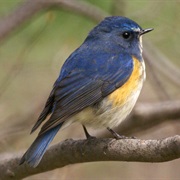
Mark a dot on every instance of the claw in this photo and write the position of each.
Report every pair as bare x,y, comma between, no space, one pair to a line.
118,136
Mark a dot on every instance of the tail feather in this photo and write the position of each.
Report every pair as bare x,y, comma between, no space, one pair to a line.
36,151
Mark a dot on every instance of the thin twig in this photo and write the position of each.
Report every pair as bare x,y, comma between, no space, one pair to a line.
31,7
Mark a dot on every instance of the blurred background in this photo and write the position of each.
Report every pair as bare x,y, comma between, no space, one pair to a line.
30,60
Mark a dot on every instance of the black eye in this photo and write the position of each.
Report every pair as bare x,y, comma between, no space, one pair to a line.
126,35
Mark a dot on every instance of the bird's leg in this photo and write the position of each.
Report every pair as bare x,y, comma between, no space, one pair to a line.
88,136
118,136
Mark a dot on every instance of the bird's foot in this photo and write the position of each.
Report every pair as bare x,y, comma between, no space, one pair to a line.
118,136
88,136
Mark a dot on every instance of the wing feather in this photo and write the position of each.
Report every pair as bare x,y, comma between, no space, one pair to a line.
83,97
79,89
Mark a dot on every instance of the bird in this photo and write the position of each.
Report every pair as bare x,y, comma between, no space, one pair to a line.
98,84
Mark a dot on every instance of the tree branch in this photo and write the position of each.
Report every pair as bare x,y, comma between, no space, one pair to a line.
18,16
169,70
93,150
31,7
82,8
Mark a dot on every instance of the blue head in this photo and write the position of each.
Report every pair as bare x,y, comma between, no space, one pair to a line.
119,33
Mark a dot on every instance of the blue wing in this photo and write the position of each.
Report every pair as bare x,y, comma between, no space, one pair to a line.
86,82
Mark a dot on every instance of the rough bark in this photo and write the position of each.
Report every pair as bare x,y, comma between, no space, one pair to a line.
92,150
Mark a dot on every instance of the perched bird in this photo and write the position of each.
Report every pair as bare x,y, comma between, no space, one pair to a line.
98,84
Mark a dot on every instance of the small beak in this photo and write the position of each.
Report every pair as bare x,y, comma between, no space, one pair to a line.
144,31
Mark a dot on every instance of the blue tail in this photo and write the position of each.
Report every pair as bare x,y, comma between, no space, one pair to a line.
36,151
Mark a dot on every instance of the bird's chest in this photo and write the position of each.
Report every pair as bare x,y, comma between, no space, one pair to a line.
113,109
131,88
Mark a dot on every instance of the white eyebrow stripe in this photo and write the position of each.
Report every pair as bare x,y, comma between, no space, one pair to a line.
136,29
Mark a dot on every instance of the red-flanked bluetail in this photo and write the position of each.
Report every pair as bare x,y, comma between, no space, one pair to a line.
98,84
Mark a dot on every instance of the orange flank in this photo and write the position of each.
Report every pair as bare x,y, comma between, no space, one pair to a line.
119,96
